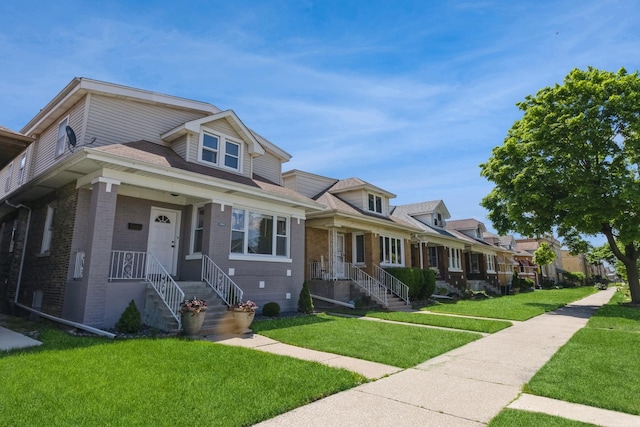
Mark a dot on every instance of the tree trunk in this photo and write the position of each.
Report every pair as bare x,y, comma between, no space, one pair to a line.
632,276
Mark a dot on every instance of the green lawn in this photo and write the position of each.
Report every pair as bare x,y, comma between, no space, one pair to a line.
85,381
515,307
467,324
600,365
512,418
391,344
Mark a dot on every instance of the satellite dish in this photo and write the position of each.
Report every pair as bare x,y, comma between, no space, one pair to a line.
73,141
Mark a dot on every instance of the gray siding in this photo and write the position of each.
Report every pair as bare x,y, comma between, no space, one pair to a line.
307,185
180,146
355,198
45,146
269,167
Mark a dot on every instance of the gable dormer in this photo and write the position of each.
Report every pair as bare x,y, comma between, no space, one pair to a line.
220,140
433,213
469,227
363,195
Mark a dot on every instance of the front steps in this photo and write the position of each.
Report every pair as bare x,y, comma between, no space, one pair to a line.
346,291
218,319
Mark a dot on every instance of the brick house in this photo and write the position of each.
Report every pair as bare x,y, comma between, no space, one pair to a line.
115,193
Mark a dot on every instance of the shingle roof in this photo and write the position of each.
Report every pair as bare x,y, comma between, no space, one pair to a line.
357,183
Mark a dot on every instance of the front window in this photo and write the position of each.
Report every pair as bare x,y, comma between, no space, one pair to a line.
454,259
359,248
375,203
48,231
491,263
198,226
256,233
220,151
62,136
433,256
475,263
391,251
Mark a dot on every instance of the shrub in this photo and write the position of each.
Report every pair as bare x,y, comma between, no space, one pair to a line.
271,309
130,321
421,283
576,278
305,303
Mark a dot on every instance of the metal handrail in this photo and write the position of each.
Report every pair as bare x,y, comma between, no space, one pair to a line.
368,283
165,286
394,285
220,282
127,265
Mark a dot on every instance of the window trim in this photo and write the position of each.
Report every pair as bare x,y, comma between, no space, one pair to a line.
221,152
491,262
455,259
376,199
273,256
61,139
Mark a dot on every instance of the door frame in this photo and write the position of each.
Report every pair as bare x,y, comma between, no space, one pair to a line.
155,211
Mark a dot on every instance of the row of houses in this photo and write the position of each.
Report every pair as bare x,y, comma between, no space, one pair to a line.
111,194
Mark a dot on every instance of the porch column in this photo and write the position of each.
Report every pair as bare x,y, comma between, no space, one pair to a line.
98,254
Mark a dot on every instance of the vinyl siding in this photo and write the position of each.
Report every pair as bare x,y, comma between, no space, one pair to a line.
180,146
116,121
356,198
306,185
45,150
269,167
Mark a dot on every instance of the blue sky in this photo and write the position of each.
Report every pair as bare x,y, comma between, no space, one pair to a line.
408,95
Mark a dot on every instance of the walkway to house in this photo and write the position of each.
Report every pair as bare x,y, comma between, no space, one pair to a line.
467,386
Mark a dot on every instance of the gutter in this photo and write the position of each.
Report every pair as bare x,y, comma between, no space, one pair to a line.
24,247
69,322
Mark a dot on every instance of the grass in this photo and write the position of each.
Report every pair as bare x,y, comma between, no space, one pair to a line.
468,324
513,417
86,381
599,365
391,344
522,306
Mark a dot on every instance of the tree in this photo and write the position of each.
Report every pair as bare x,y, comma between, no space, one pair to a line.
571,164
543,255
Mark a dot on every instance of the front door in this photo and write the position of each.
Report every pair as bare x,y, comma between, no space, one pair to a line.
163,237
340,256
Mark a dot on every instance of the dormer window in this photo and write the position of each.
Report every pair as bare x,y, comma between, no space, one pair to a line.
220,151
375,203
437,220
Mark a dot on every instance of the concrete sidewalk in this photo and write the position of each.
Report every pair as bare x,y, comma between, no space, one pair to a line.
467,386
10,340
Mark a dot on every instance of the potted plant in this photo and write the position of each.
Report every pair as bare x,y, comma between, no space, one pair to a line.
243,314
192,312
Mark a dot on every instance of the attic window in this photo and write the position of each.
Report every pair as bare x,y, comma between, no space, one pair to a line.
219,150
375,203
438,220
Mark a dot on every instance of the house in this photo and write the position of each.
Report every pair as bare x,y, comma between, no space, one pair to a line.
353,239
511,260
114,194
434,246
550,273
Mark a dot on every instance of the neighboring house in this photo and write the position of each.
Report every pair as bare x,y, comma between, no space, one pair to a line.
575,263
157,191
434,246
550,272
354,234
511,260
484,261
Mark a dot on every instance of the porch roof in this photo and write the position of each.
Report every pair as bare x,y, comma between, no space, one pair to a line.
11,144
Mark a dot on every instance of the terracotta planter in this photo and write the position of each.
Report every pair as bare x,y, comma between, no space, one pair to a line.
243,320
192,323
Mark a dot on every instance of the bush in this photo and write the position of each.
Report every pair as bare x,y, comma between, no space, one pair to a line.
271,309
305,303
576,278
421,283
130,321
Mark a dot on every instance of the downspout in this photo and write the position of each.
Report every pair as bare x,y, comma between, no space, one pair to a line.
24,247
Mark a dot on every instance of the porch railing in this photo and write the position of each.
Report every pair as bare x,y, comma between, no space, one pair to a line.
220,282
134,265
126,265
392,283
328,270
368,283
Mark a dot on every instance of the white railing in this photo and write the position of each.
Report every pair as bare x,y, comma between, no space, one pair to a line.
165,286
368,283
220,282
393,284
328,270
127,265
78,270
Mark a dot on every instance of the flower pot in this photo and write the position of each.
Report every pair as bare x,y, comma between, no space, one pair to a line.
192,323
243,320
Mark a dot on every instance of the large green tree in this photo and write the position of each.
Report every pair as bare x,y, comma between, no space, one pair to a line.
571,164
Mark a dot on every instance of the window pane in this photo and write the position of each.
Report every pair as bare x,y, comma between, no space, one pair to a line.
231,162
210,141
281,246
282,226
197,241
260,234
232,149
209,156
200,221
237,220
371,202
237,242
379,204
360,248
